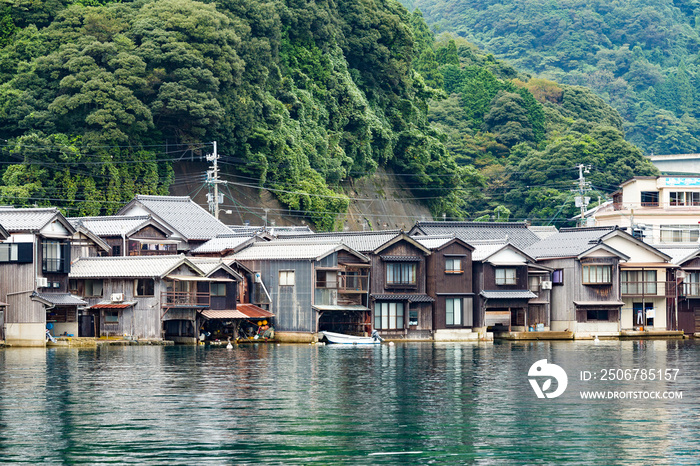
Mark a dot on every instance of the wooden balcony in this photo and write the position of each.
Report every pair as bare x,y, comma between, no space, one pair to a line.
347,284
689,290
184,299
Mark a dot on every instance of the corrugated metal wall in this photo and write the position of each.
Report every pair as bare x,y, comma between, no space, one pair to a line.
290,304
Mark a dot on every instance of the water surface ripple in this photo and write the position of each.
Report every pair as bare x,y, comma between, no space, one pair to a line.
297,404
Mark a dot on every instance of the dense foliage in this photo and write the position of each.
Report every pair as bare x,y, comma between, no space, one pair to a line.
641,57
299,95
526,136
99,98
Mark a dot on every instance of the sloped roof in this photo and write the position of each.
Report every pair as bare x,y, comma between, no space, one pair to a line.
543,232
182,214
4,234
31,220
410,297
362,241
436,242
291,250
680,254
573,242
224,243
209,265
59,299
128,266
283,230
483,249
569,242
116,225
517,233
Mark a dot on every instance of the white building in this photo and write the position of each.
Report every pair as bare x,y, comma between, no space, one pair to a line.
661,210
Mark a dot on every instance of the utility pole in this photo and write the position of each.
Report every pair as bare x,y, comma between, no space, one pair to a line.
213,181
583,187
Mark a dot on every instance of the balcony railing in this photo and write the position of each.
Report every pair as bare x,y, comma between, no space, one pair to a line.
648,288
184,299
689,290
347,284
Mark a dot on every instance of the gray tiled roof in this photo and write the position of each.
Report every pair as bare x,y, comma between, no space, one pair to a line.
482,250
27,220
517,233
61,299
126,267
209,264
679,254
288,250
283,230
569,242
182,214
434,241
223,243
111,226
543,232
410,297
508,294
361,241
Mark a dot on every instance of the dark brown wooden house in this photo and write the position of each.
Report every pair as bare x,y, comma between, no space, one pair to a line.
449,282
401,307
501,284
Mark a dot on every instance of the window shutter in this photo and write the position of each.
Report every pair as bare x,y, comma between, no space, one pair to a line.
25,253
65,255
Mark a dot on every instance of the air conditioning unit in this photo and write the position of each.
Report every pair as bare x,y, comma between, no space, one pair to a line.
546,285
42,282
117,297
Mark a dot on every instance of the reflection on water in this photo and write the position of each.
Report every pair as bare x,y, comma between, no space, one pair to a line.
296,404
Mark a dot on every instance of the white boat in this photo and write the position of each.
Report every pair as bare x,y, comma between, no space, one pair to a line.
343,339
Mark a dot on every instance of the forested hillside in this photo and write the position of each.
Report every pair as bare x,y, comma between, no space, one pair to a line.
640,56
98,99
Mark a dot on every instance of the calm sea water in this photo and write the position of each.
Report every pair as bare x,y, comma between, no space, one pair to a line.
296,404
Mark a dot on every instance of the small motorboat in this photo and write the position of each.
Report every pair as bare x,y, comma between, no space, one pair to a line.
343,339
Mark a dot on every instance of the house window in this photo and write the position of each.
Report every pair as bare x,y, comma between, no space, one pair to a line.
638,281
53,256
413,317
680,233
558,277
684,198
401,273
388,316
453,311
111,317
534,282
145,287
650,198
505,276
453,265
597,274
93,288
691,284
116,250
218,289
8,252
597,314
73,286
286,278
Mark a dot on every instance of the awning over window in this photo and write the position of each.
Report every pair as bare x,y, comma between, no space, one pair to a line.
225,314
599,303
410,297
508,294
401,258
338,307
111,305
58,299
